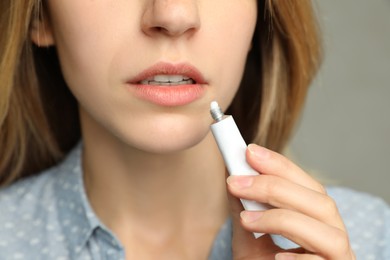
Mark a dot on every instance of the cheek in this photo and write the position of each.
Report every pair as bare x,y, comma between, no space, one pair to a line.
88,34
232,44
85,48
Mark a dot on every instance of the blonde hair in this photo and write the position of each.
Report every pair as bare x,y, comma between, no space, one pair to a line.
285,56
38,115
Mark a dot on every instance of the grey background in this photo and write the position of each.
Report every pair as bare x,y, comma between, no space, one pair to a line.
344,135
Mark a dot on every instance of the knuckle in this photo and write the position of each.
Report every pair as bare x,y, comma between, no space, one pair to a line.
320,188
283,218
329,207
284,164
270,186
329,204
341,243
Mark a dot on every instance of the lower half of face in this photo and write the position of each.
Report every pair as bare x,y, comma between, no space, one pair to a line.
145,72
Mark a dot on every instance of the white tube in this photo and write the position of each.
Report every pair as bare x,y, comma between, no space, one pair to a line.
233,148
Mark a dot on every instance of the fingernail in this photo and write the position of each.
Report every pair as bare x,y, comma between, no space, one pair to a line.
250,216
284,256
240,182
258,151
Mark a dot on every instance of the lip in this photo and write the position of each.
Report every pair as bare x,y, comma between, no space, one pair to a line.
177,95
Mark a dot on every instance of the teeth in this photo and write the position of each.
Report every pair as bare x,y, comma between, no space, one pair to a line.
168,80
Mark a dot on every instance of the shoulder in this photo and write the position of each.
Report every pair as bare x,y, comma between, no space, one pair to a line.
26,195
367,219
359,207
22,205
33,211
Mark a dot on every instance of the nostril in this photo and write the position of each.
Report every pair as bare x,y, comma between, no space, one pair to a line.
172,31
171,18
159,29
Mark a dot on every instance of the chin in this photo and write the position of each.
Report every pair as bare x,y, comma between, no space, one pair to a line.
170,148
170,141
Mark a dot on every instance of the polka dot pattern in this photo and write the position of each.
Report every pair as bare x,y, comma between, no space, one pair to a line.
48,217
367,219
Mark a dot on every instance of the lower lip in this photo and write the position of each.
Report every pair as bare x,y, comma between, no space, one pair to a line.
169,95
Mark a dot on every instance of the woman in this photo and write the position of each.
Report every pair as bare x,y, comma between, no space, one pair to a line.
134,80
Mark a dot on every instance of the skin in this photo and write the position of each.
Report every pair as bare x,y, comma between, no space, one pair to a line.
144,164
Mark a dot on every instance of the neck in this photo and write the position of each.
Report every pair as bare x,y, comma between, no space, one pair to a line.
135,192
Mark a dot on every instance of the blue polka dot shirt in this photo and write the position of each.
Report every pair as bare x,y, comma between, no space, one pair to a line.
48,216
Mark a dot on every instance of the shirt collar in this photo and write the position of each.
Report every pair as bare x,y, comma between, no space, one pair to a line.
77,219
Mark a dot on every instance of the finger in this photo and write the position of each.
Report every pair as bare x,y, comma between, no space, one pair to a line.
296,253
282,193
311,234
292,256
268,162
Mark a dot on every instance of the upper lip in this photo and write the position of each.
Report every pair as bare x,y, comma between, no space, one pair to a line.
163,68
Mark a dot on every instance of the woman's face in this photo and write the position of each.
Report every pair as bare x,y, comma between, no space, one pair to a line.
145,71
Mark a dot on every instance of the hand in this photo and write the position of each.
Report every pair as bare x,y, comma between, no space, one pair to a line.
302,212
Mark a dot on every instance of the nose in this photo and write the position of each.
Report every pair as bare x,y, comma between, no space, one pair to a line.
171,17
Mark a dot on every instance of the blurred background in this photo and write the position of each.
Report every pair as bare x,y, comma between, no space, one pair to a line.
344,135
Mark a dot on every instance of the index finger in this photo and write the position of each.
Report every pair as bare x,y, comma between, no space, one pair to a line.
269,162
